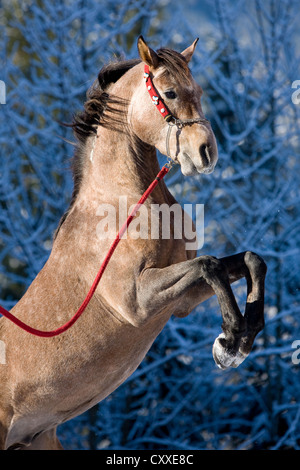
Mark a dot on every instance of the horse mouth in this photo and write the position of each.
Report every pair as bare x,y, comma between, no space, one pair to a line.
189,168
207,170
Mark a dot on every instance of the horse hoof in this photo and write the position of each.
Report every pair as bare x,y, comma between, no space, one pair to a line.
224,358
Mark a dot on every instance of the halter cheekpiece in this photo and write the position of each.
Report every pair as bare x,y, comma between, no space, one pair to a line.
163,108
155,97
166,113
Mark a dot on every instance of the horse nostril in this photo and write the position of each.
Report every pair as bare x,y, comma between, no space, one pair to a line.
204,153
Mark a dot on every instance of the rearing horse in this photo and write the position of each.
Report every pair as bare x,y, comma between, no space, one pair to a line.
47,381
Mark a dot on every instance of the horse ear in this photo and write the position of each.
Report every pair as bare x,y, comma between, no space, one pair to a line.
147,54
189,51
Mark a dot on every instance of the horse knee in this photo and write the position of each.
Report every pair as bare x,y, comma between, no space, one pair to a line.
211,268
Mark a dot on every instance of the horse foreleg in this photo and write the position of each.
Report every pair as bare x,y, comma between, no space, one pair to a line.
184,285
254,270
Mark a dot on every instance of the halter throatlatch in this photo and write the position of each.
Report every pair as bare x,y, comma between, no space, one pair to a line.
166,113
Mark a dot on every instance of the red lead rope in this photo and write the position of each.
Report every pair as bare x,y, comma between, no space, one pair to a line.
66,326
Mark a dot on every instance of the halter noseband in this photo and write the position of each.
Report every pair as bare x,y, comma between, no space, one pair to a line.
165,112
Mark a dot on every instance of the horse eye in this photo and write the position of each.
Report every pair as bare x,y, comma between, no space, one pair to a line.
171,95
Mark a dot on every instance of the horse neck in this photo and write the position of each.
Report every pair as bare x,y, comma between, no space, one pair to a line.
117,161
118,164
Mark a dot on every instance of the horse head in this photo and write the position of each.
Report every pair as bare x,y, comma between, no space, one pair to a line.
191,141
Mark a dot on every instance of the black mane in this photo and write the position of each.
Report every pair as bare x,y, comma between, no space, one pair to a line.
100,109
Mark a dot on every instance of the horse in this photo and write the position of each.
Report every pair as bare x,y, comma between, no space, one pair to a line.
47,381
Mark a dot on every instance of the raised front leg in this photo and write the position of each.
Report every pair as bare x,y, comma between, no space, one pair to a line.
180,287
253,268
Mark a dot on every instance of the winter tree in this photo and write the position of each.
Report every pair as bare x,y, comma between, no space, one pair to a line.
246,64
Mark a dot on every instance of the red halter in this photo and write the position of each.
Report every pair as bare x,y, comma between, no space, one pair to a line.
157,100
163,108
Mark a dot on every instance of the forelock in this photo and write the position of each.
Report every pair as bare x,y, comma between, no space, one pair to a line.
174,64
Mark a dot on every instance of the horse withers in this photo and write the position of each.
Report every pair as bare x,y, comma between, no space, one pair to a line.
46,381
